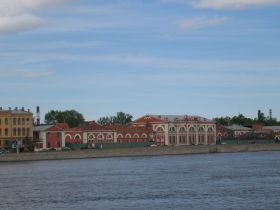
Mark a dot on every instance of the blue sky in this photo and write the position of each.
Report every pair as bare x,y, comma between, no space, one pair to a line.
197,57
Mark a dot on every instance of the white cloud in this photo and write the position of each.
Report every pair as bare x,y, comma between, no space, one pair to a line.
234,4
25,22
19,15
197,23
225,4
27,74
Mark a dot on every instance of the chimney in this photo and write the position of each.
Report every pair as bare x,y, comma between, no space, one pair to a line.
28,110
16,108
10,108
22,108
1,108
38,115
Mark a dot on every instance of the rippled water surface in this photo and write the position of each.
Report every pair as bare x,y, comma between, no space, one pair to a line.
214,181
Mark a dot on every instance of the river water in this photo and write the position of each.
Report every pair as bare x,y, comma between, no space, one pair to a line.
211,181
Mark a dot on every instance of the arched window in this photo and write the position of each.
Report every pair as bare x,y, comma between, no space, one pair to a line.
191,129
91,137
109,137
120,136
67,137
210,129
201,129
182,129
127,135
77,137
100,137
135,135
172,129
160,129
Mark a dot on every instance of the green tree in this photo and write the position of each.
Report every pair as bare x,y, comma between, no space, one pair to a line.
222,120
120,119
71,117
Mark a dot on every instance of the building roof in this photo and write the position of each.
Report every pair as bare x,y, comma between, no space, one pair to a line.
173,118
274,128
39,128
95,126
16,111
130,128
238,128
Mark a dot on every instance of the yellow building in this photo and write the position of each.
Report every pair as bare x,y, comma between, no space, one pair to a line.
16,124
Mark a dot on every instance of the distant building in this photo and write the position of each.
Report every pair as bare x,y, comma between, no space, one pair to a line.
179,129
15,125
50,136
60,135
239,130
224,133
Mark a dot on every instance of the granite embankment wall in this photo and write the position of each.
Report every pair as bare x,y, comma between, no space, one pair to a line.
134,152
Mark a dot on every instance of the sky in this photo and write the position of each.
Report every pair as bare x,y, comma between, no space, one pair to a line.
209,58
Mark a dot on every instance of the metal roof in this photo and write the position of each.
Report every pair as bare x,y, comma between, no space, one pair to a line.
274,128
42,127
238,128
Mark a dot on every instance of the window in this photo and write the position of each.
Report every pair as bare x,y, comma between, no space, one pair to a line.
23,121
23,131
14,132
6,131
0,132
172,129
18,121
0,121
27,132
14,121
6,121
19,132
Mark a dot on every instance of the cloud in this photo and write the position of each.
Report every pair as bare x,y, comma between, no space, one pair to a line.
225,4
25,22
19,15
197,23
27,74
234,4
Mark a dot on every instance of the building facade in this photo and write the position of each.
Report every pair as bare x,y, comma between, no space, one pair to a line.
15,125
179,129
60,135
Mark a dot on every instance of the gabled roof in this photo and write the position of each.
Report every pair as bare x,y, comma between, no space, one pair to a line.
93,126
39,128
238,128
57,127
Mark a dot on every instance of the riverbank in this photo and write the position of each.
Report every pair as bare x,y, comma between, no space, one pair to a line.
135,152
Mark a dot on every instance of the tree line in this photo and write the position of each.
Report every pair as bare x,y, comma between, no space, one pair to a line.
245,121
73,118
